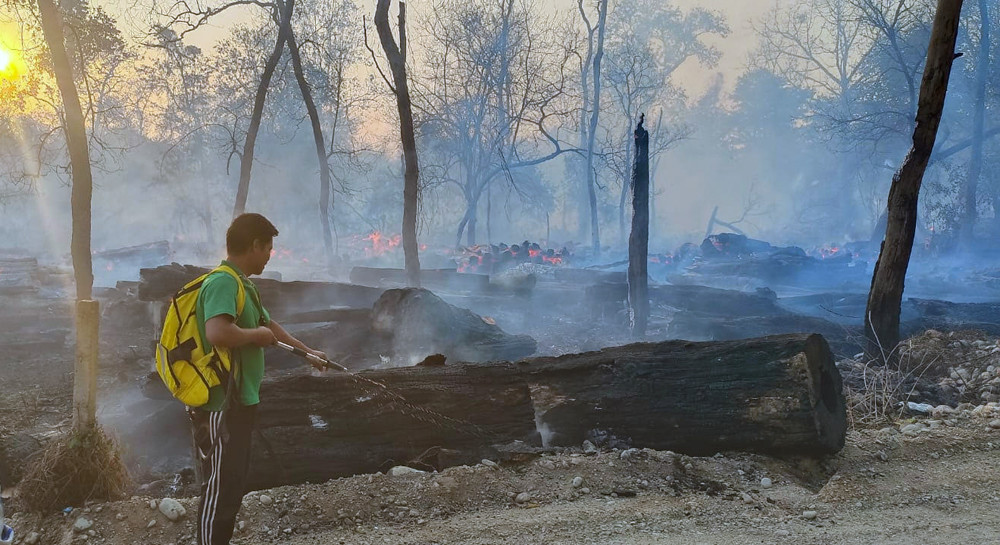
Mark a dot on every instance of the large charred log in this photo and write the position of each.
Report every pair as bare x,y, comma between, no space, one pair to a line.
780,395
318,428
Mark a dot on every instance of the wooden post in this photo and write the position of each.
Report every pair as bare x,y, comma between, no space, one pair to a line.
638,240
85,376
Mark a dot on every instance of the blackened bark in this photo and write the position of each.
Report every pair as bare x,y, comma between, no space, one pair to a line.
76,141
638,240
411,191
246,160
326,184
882,313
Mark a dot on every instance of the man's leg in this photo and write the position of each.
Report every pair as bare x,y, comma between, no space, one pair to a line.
224,449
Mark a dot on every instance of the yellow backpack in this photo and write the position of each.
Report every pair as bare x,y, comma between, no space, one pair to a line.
182,362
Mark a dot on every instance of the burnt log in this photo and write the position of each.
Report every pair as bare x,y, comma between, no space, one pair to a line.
318,428
280,298
780,395
440,278
608,298
421,323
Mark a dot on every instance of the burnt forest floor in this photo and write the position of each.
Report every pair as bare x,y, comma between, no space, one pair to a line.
935,481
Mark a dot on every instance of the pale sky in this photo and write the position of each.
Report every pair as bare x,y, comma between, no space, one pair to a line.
692,77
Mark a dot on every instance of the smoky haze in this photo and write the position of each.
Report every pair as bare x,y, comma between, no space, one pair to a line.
786,150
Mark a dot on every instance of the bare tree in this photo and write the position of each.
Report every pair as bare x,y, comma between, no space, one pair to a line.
595,113
882,312
246,158
76,137
978,126
492,92
396,55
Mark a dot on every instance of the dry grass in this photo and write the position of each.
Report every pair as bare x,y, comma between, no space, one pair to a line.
74,469
876,393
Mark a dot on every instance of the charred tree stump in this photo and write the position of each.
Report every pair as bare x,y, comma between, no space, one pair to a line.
780,395
638,240
886,294
318,428
421,323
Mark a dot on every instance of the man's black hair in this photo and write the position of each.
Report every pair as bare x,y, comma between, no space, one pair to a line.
247,228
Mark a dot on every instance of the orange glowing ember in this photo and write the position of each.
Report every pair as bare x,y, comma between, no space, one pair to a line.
381,244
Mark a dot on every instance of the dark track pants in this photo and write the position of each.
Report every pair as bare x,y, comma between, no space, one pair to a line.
222,441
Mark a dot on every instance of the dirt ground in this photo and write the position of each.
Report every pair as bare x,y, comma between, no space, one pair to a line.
936,483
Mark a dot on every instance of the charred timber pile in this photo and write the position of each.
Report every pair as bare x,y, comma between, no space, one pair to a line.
705,313
780,395
421,323
324,427
437,278
281,298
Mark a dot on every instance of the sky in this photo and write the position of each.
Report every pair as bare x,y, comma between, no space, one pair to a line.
692,77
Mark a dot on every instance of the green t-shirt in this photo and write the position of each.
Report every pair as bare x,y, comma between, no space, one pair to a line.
217,297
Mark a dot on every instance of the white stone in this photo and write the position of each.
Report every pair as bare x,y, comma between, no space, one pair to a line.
766,483
995,424
522,497
577,482
172,509
809,515
629,453
489,463
403,470
747,499
266,500
151,523
82,525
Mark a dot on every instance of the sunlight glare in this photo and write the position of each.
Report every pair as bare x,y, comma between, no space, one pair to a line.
8,68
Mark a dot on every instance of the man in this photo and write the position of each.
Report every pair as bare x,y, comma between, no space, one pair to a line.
223,426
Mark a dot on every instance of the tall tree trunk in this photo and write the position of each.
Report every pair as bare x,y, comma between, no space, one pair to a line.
76,141
580,164
87,315
325,183
470,230
979,113
411,191
882,313
595,234
246,160
638,240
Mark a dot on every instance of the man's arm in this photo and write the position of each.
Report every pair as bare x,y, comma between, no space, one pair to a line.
221,331
281,335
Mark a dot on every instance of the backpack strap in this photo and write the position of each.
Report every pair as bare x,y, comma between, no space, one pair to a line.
241,293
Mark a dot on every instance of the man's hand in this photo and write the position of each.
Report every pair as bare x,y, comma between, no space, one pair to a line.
315,363
262,336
